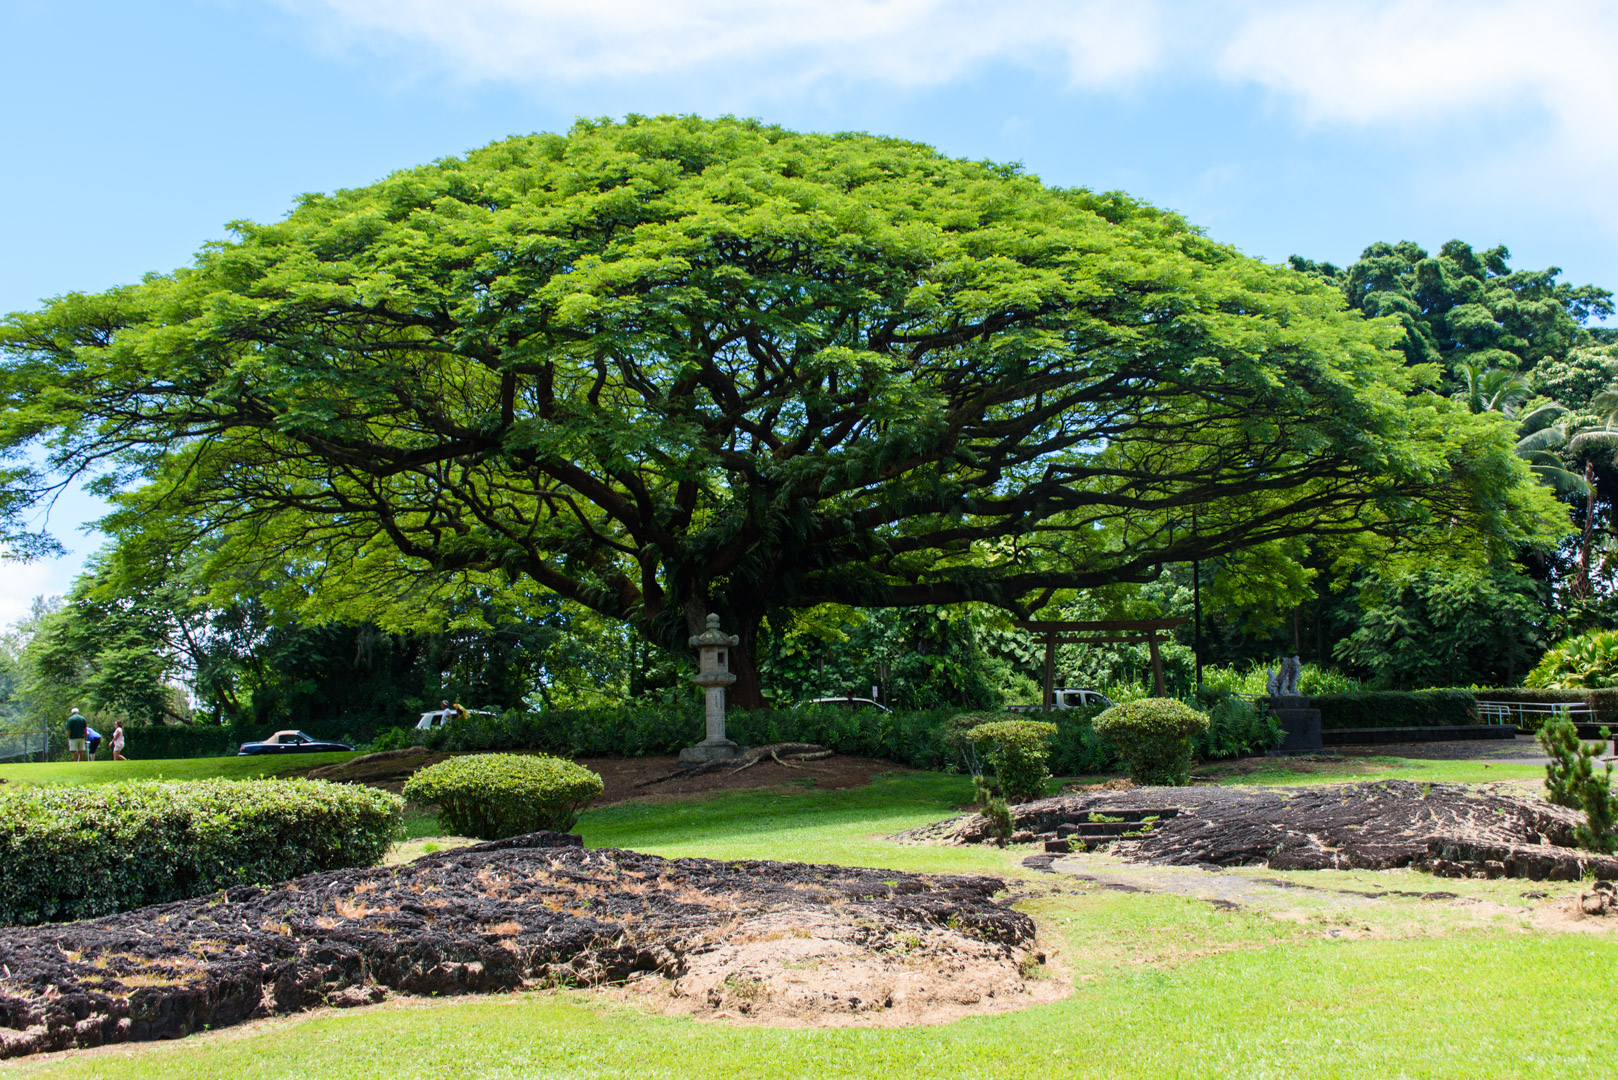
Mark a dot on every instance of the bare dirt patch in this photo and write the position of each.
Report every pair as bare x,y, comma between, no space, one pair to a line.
534,911
1592,911
629,778
1447,829
786,969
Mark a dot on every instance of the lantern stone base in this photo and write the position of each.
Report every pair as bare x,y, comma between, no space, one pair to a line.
710,750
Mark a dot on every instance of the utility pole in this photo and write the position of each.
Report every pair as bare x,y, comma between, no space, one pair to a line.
1196,604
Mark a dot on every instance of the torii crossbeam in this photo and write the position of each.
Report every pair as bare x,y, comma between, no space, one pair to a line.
1052,634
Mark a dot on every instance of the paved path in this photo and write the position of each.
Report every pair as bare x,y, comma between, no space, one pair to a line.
1523,749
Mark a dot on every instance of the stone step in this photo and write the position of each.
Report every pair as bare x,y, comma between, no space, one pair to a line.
1099,829
1163,814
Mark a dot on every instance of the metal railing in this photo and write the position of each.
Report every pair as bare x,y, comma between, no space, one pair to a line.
16,744
1528,714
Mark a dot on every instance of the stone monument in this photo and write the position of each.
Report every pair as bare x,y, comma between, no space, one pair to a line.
1300,723
713,675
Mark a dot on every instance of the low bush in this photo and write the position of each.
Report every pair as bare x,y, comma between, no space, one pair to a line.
493,796
1236,727
1002,822
79,852
1155,736
1586,662
1017,751
1393,708
1572,781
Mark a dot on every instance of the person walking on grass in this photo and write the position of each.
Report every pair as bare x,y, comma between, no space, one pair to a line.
77,733
118,741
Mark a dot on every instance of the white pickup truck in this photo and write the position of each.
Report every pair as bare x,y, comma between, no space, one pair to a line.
1067,699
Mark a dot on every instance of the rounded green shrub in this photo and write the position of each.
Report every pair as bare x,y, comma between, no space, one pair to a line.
1586,662
493,796
1017,751
78,852
1155,737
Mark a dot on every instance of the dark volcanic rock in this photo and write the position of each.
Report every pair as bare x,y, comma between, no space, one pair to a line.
535,910
1448,829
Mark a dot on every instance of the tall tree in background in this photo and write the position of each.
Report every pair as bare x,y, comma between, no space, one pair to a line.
671,365
1463,307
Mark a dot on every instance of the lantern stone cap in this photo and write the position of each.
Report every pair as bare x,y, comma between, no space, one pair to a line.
713,637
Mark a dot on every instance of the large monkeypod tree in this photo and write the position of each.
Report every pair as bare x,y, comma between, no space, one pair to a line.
672,365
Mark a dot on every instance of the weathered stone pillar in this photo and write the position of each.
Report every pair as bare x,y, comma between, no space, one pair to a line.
713,675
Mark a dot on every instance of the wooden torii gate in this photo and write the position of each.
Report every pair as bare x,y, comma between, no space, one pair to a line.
1052,634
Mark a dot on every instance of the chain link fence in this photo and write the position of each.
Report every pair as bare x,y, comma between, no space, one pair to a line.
16,745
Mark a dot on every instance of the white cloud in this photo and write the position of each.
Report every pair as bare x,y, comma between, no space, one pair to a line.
1371,62
1415,62
1540,77
774,46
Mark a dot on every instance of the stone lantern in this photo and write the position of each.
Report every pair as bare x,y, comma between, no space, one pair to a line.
713,675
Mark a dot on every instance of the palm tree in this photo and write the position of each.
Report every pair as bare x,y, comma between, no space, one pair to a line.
1492,389
1540,434
1586,442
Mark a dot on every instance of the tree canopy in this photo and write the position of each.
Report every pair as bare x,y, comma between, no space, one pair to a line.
1463,307
672,365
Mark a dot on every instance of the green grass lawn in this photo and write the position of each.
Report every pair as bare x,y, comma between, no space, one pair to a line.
1252,771
109,772
1165,985
1466,1006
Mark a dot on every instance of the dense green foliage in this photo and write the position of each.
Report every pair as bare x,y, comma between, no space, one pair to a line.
1391,709
1155,736
1018,752
931,657
667,366
79,852
1447,627
493,796
995,809
1236,728
1588,661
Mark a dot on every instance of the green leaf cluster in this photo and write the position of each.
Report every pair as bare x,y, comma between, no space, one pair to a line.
1587,661
493,796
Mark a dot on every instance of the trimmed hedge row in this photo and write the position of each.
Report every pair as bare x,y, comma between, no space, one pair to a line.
909,738
1387,708
925,740
79,852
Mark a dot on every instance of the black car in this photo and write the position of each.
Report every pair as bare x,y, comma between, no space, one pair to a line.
291,742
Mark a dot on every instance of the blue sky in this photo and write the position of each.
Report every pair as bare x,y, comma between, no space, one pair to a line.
132,132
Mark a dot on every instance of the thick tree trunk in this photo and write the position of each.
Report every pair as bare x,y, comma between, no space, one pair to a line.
1581,584
746,692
